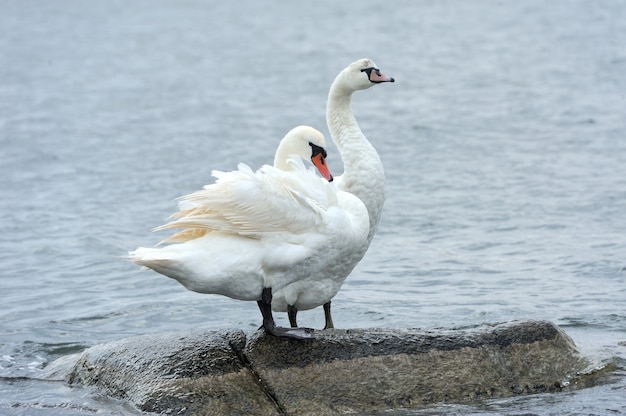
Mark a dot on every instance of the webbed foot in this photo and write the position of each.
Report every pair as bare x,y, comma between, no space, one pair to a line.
265,305
296,333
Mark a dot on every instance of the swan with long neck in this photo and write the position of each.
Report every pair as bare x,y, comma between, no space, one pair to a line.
363,177
249,234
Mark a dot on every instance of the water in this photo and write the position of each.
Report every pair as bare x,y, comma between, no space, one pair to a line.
503,142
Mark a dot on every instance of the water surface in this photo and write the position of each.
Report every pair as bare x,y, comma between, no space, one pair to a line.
502,139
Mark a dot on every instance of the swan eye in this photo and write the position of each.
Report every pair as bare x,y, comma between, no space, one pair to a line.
369,70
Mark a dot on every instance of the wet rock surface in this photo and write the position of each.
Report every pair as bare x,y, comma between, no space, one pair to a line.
182,373
340,371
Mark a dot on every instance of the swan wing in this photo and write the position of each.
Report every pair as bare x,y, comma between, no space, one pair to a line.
255,204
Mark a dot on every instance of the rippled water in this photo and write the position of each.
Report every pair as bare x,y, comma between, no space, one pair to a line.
503,141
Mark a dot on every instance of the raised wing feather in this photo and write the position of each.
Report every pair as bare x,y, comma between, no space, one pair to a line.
255,204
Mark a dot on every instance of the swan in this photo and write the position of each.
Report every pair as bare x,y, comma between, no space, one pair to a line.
363,177
249,233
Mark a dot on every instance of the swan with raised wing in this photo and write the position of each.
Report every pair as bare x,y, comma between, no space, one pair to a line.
249,234
363,177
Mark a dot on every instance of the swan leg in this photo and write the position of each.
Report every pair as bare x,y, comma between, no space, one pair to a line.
292,312
329,319
265,305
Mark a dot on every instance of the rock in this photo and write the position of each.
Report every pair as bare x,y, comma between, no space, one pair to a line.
340,371
369,370
182,373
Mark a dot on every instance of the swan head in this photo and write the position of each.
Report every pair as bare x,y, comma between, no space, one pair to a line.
306,142
363,74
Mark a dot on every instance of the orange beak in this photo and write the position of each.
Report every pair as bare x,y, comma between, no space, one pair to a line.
320,163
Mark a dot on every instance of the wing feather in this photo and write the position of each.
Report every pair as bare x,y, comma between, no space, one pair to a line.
255,204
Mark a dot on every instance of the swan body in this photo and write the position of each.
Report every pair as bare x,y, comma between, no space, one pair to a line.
363,177
250,233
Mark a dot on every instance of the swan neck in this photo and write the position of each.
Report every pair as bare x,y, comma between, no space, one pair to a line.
363,173
280,159
341,121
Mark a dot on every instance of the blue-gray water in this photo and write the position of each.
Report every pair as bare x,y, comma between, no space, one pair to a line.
503,139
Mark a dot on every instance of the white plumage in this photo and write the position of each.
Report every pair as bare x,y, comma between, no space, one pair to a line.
250,233
363,177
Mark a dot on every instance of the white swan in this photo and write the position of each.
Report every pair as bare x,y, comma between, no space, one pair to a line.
249,234
363,176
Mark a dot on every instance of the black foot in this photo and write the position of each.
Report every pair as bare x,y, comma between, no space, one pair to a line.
265,305
292,312
329,318
296,333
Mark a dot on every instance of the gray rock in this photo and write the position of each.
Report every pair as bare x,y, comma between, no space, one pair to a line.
340,371
181,373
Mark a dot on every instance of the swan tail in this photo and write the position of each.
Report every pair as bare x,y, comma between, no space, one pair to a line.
155,259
